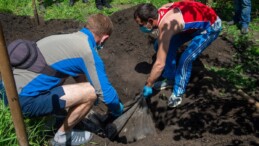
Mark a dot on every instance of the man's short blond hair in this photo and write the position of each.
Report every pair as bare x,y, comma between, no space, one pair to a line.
99,24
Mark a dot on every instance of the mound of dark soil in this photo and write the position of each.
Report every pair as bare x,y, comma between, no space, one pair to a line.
212,112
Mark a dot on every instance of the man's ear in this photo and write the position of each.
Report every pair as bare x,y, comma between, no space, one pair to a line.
104,38
150,20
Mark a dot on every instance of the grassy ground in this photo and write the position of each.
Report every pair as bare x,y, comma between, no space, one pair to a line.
36,128
63,11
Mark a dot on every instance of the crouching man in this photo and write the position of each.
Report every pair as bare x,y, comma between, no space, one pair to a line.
71,55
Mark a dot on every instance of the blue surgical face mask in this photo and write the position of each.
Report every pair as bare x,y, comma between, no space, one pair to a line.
145,29
99,47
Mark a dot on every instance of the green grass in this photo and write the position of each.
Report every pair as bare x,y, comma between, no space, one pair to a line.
79,11
36,130
236,76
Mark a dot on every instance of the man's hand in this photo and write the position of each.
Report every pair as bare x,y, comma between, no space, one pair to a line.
118,111
147,91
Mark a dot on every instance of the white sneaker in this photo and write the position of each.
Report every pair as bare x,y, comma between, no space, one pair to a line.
164,84
174,101
74,138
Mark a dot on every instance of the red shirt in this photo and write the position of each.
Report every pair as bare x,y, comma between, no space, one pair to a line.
195,14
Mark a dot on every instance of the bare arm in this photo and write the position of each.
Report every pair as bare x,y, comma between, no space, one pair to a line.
167,28
159,65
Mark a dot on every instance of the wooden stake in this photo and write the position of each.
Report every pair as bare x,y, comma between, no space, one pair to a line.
36,16
11,92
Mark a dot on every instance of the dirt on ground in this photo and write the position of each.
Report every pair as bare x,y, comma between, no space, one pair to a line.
213,112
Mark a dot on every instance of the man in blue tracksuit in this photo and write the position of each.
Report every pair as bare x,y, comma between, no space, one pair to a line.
74,55
177,23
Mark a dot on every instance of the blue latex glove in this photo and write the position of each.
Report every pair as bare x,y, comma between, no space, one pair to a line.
118,111
147,91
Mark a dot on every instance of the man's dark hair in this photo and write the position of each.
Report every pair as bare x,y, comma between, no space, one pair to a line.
145,11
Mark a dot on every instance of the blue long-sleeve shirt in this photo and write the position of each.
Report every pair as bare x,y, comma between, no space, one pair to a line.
71,54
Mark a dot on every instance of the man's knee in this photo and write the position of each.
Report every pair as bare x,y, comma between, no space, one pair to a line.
89,92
